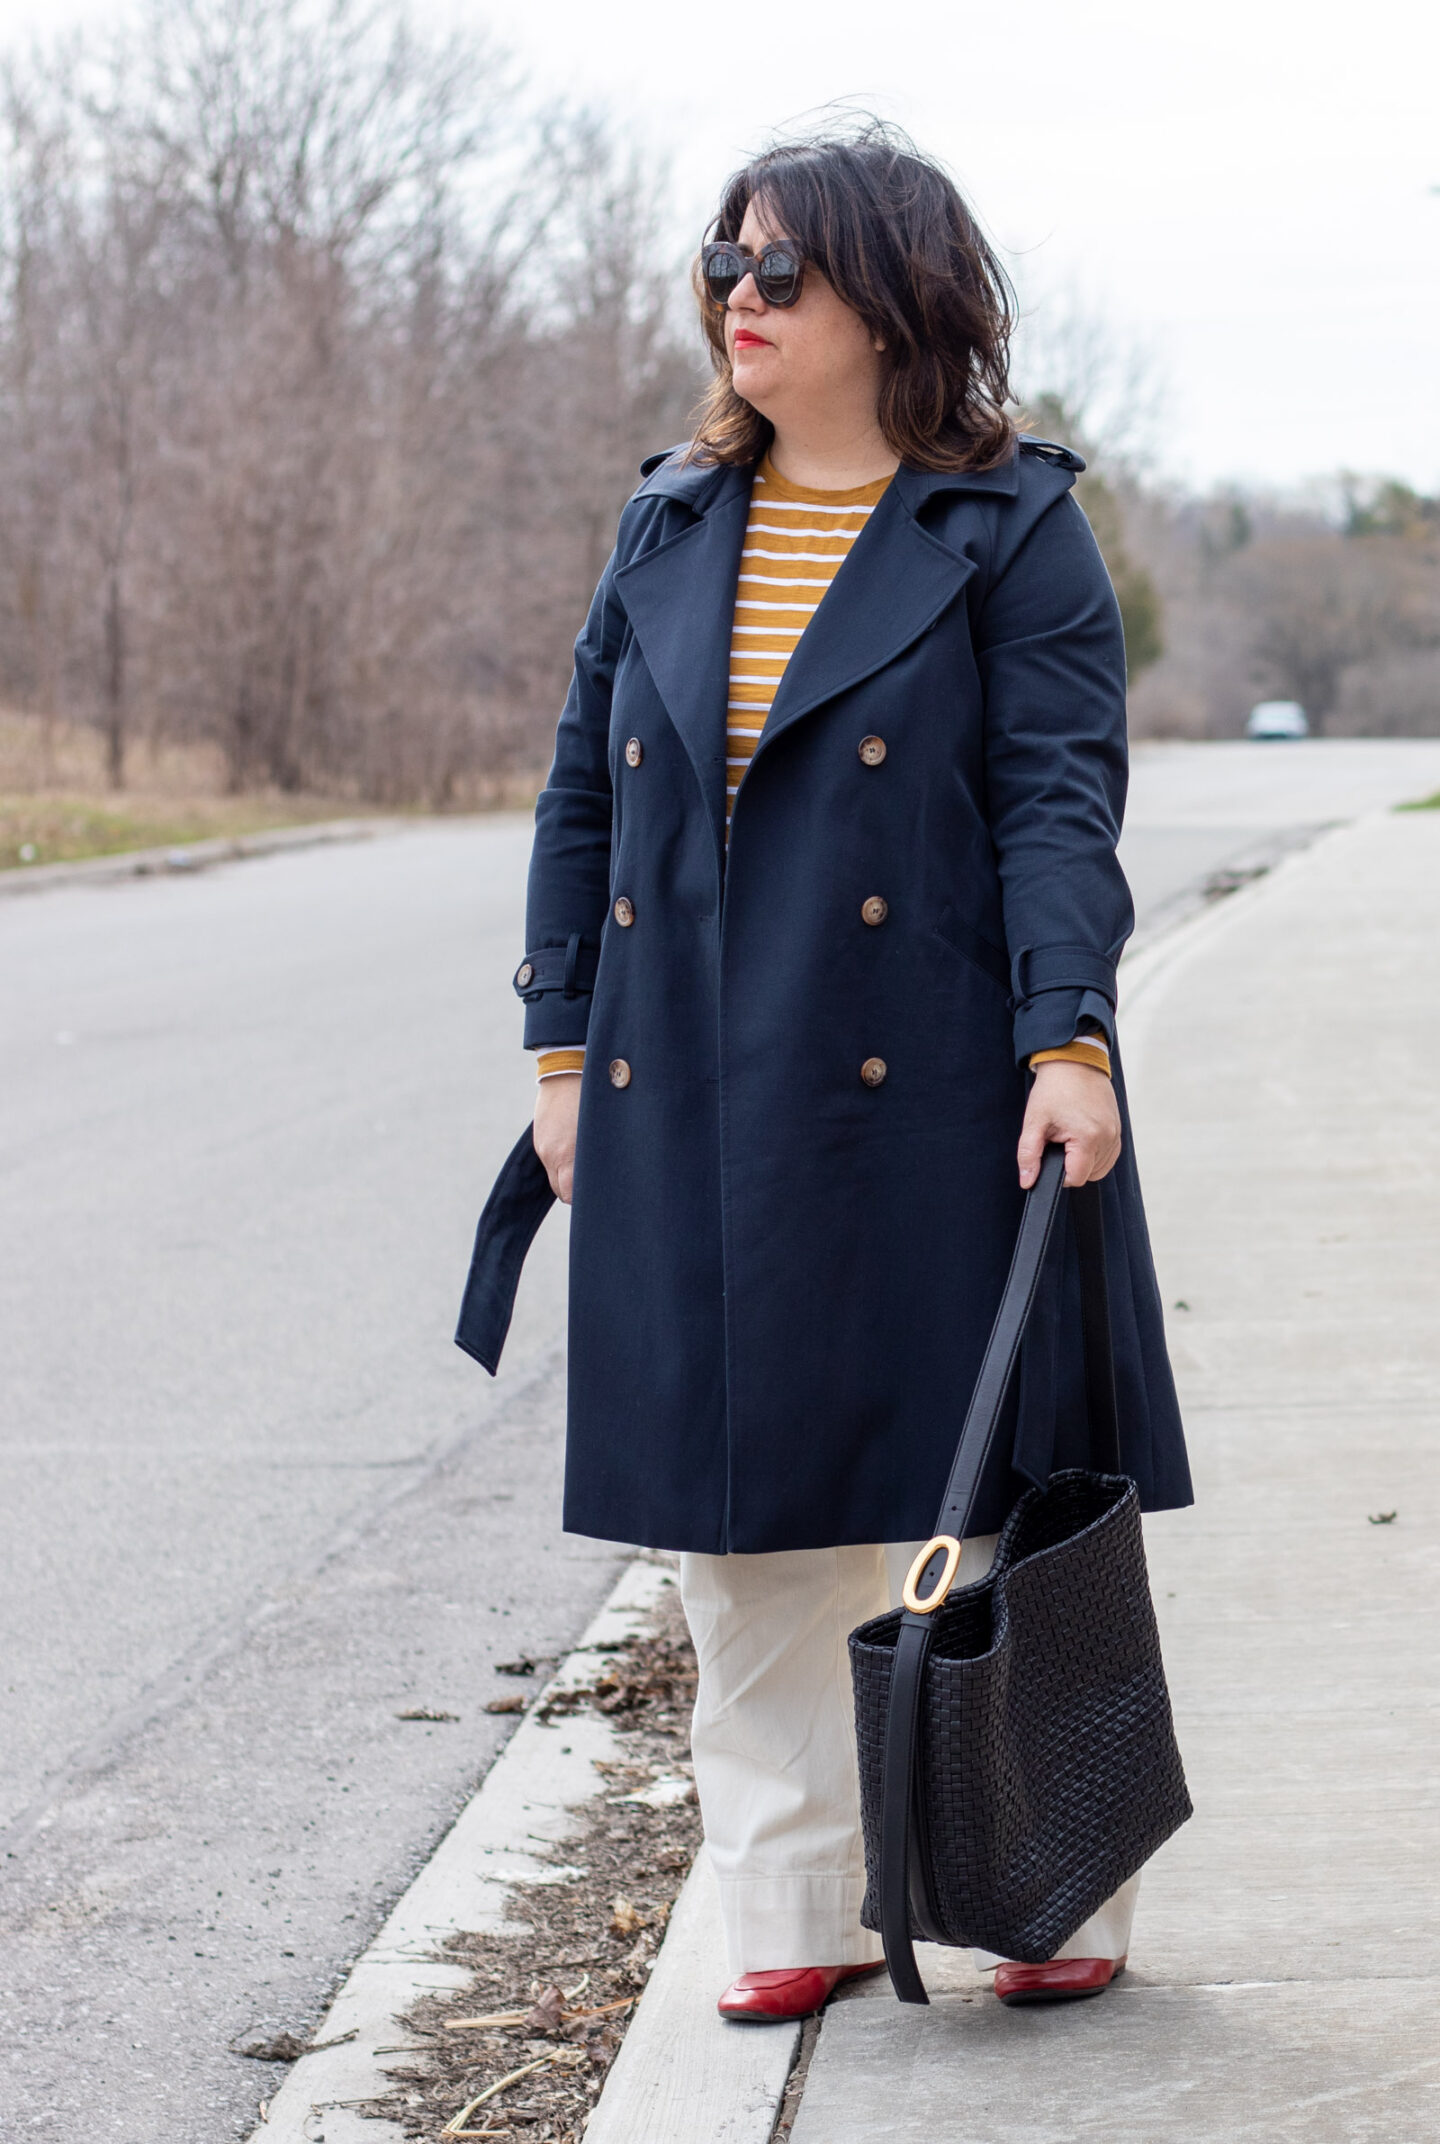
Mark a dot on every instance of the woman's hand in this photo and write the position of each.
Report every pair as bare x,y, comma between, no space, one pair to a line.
557,1112
1073,1105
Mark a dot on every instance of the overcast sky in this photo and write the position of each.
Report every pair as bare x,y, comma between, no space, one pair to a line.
1251,188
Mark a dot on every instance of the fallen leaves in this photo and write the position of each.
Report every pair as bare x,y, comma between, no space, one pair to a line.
548,2012
545,2016
287,2047
514,1703
280,2047
662,1793
624,1919
423,1712
652,1677
452,2127
550,1996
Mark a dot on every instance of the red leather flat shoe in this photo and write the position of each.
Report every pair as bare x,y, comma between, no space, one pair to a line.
1062,1980
797,1991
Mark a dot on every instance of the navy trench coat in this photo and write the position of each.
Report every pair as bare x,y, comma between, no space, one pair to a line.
783,1270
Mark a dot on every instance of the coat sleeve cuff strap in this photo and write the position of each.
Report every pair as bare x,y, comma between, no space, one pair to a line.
1035,968
568,969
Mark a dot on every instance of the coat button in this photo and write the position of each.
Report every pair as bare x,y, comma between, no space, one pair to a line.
634,752
619,1072
872,750
872,1071
875,910
624,913
524,974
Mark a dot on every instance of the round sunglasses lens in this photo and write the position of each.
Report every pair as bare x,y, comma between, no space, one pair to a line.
779,278
722,270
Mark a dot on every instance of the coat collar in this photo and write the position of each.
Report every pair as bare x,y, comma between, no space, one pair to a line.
700,485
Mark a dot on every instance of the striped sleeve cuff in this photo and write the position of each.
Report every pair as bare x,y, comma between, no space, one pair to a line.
1084,1050
549,1063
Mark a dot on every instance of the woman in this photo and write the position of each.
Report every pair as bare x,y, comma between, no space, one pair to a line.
824,914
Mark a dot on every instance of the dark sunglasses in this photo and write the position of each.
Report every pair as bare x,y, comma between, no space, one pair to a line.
778,269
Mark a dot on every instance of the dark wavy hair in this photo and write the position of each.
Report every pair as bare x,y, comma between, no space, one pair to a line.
890,231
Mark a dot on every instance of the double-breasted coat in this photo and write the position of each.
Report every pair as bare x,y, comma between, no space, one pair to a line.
795,1194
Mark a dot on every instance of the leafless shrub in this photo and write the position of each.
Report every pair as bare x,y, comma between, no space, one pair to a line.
1264,601
1396,695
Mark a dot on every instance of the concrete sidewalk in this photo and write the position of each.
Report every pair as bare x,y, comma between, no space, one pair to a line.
1284,1056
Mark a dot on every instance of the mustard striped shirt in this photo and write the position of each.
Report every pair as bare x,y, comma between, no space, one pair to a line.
796,540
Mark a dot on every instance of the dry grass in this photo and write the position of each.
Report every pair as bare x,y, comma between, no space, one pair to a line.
39,755
58,828
56,807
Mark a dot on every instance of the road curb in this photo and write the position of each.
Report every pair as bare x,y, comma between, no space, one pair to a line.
503,1840
1149,959
683,2076
185,857
1216,893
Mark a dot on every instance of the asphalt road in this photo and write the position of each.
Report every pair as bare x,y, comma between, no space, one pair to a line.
1197,810
253,1505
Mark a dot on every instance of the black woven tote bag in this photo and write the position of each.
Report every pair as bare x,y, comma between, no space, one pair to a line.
1017,1752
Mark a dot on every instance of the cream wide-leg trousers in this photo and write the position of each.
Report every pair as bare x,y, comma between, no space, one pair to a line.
774,1749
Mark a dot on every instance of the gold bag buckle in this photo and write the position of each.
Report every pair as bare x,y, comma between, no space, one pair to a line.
943,1583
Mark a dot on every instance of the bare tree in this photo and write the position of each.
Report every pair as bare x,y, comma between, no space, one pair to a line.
327,365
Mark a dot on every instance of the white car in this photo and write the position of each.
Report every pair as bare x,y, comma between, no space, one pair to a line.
1272,719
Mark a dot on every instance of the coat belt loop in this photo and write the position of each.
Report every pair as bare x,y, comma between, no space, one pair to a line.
572,955
1018,990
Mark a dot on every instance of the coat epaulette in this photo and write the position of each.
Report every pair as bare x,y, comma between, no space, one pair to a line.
675,475
1048,450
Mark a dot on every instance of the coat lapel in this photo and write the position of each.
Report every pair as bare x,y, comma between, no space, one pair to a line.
680,600
894,584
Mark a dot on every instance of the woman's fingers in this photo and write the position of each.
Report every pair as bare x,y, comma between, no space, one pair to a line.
1033,1137
1074,1106
557,1116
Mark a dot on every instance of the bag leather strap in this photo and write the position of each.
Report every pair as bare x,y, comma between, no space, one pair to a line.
1088,1215
903,1893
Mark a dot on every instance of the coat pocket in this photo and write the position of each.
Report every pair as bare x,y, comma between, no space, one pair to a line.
962,938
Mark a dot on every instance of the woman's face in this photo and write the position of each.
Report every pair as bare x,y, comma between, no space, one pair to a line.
811,359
